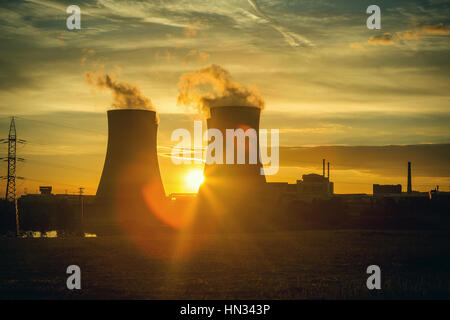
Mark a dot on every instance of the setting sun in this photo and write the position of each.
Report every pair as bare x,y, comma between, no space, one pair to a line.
194,179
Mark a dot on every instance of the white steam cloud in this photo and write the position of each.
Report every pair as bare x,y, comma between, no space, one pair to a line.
213,87
125,95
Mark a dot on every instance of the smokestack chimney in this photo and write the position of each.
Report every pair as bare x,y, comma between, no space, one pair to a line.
328,164
323,167
237,180
131,163
409,178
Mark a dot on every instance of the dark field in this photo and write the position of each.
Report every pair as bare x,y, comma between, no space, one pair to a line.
287,265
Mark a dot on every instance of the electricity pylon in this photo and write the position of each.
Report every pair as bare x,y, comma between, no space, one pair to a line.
12,160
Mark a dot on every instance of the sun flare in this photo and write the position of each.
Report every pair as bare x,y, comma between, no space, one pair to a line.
193,179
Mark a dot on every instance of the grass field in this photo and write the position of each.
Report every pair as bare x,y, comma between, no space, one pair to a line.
285,265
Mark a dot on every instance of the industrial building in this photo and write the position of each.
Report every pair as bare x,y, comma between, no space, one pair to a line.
46,195
386,189
315,186
312,186
46,211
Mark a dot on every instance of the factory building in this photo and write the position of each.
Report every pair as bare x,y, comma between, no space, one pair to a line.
46,211
315,186
386,189
46,196
383,190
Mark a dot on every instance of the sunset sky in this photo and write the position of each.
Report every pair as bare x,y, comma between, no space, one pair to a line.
326,79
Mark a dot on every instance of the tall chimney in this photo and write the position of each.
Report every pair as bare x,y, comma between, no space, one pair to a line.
131,163
323,167
239,181
409,178
328,164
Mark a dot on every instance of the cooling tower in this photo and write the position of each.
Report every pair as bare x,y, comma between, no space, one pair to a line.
234,180
131,163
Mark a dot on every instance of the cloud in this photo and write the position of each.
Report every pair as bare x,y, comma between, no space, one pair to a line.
293,39
414,34
385,39
427,159
125,95
196,56
388,39
357,128
14,76
87,53
213,87
356,46
330,78
191,30
427,29
408,35
439,29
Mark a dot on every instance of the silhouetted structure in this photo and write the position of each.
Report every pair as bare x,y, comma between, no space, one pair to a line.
323,167
314,186
46,211
409,178
234,180
328,175
131,178
45,190
383,189
12,159
11,182
8,221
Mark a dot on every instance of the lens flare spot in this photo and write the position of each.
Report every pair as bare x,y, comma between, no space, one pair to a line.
193,179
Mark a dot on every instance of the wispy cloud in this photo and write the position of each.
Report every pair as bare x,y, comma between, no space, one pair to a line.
397,38
292,38
385,39
439,29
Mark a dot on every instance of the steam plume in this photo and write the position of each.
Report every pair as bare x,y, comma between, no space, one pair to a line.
125,95
213,87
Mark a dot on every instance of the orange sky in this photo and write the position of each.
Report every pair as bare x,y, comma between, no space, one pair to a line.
325,78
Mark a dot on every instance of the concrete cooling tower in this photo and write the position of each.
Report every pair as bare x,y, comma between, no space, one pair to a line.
236,181
131,164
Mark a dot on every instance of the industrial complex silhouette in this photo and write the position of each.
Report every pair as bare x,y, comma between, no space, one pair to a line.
130,189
